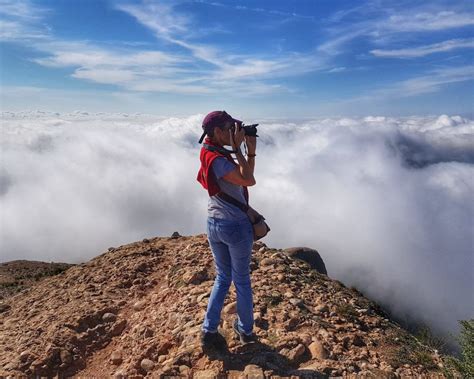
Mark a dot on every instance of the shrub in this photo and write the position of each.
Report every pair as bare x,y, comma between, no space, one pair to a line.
465,365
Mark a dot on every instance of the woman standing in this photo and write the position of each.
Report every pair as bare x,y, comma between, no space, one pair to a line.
229,230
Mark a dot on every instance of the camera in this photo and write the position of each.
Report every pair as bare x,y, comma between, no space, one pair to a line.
250,130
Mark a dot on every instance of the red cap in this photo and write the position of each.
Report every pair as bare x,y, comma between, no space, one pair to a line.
216,118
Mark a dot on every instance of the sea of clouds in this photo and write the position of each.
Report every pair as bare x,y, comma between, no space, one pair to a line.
388,202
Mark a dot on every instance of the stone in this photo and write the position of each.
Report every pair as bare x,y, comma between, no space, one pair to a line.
116,358
175,235
24,355
139,305
253,372
296,302
147,364
109,317
118,328
195,277
308,255
321,308
267,262
66,356
231,308
358,341
317,350
205,374
4,307
297,352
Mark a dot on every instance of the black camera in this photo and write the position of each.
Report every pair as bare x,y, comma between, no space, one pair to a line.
250,130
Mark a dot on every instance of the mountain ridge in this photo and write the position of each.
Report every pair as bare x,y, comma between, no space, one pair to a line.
136,310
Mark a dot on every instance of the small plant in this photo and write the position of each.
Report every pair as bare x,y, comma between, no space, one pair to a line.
465,365
272,337
346,310
426,337
272,300
423,358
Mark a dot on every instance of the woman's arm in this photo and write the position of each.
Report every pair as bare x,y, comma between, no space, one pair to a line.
242,175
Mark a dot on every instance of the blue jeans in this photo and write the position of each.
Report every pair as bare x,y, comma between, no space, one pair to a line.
231,245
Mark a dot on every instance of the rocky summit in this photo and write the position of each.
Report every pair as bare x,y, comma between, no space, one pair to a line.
135,311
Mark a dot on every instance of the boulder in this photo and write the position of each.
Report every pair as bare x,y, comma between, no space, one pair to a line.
307,255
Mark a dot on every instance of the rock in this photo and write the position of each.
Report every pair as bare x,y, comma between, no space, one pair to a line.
305,338
292,323
109,317
317,350
118,328
145,240
121,374
308,255
296,301
116,358
358,341
205,374
175,235
297,352
66,356
202,296
267,262
195,277
231,308
24,355
322,308
139,305
253,372
147,364
4,307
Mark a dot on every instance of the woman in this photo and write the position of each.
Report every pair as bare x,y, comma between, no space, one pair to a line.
229,231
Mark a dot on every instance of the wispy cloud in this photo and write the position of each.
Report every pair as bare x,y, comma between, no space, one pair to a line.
421,51
427,21
432,81
256,9
336,69
226,65
387,24
20,20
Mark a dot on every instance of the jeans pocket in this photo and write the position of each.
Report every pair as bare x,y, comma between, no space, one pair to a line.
239,234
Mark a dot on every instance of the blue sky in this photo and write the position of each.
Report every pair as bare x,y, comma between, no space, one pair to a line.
254,58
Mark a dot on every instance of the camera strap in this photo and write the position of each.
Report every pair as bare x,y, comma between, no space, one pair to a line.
230,199
218,149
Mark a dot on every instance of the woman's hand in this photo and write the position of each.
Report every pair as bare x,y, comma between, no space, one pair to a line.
237,137
251,142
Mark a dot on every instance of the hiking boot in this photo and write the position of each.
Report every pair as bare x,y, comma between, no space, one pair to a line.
244,338
212,340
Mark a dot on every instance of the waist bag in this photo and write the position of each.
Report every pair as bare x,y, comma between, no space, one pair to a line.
260,227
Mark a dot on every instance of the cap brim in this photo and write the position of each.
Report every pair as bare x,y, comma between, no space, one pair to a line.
202,137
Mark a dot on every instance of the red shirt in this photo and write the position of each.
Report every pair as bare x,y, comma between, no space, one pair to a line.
206,176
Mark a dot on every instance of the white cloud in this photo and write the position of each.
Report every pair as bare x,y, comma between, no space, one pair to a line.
427,21
421,51
382,25
432,81
386,201
336,69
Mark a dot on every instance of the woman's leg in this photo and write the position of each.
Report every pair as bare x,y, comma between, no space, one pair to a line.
222,282
240,248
